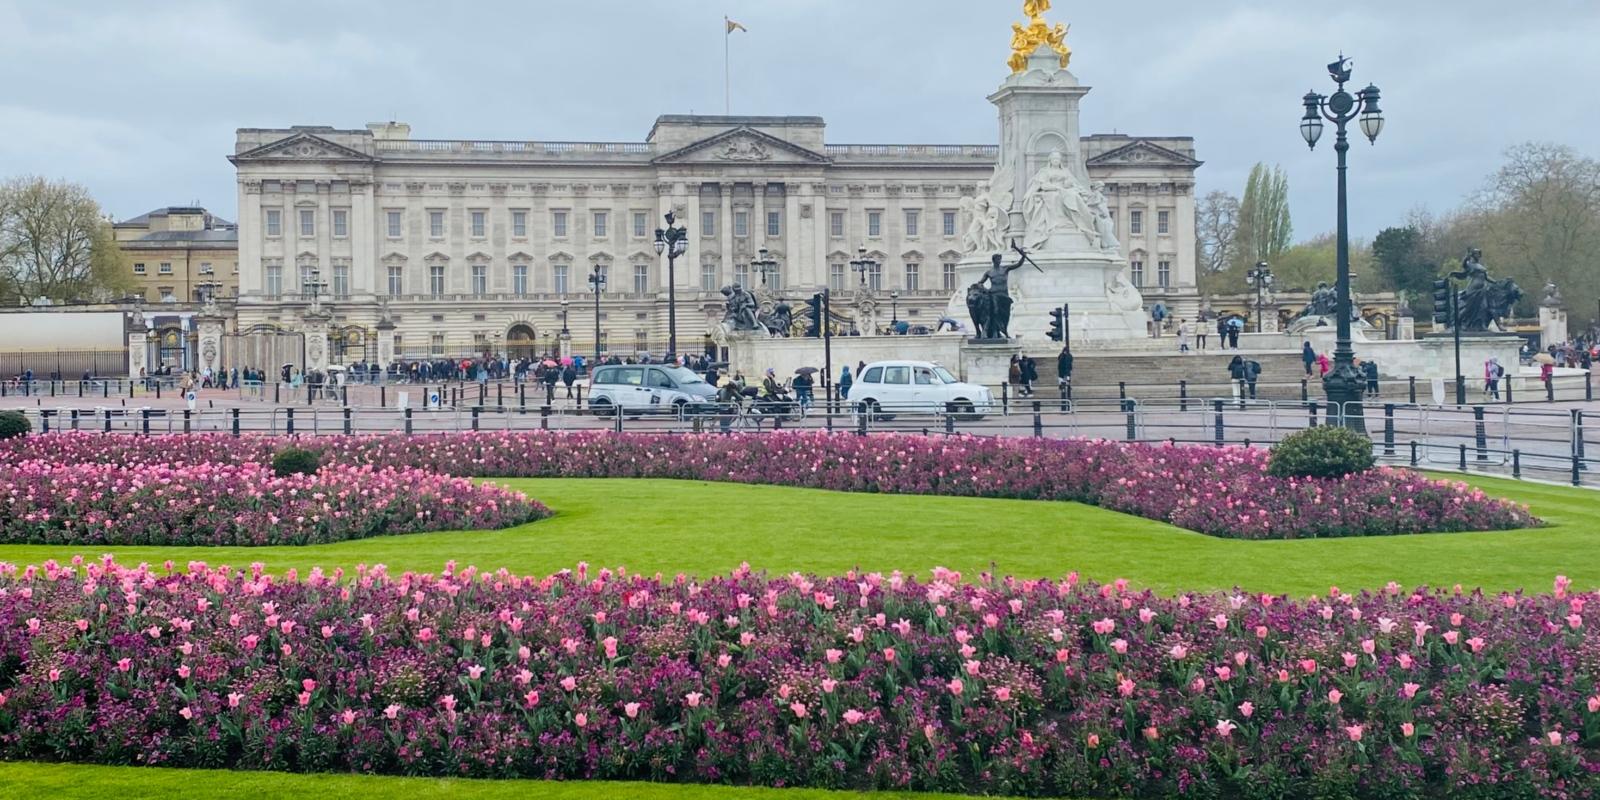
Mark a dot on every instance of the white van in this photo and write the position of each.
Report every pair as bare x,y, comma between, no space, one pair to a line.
908,387
647,387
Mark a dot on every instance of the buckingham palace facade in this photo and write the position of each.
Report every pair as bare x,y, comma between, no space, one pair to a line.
472,246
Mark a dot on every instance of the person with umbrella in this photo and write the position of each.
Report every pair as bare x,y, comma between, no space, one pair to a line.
803,383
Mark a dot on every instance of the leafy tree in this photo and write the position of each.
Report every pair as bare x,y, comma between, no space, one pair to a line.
55,244
1399,260
1264,231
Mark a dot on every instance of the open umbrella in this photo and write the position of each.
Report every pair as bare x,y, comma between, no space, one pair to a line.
805,370
1544,358
566,361
549,363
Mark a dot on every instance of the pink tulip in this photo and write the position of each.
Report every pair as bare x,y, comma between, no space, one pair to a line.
1094,740
580,719
1334,696
955,686
1225,728
631,709
1407,729
1354,732
853,717
1246,709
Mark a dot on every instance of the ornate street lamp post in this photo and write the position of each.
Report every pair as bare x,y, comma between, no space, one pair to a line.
597,280
1259,276
863,265
674,241
564,303
766,265
1343,384
894,308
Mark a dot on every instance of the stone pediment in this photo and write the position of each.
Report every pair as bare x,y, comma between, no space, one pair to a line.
302,146
742,145
1141,153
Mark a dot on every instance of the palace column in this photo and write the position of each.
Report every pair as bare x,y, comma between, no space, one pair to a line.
250,230
794,251
818,266
725,226
697,243
363,253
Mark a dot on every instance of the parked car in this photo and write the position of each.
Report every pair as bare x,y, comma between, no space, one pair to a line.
644,388
885,388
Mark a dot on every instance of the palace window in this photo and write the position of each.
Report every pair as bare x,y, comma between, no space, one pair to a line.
519,279
1164,274
641,341
774,223
480,224
599,224
874,223
1162,220
741,223
1137,268
708,223
206,268
949,269
341,223
949,223
641,225
436,344
913,216
396,281
436,224
708,277
274,280
341,280
641,278
912,278
836,224
394,224
558,276
1135,222
138,269
875,276
165,268
480,279
558,224
519,224
436,280
308,223
741,275
274,222
836,277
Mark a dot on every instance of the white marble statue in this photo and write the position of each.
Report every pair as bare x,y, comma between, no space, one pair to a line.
985,232
1122,295
1053,204
1104,231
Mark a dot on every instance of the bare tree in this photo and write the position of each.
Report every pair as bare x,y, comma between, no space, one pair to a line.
1538,219
54,243
1216,227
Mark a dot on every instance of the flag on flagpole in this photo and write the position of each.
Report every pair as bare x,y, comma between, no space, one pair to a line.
734,26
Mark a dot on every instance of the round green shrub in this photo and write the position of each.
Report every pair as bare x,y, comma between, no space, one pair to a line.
295,461
14,424
1329,451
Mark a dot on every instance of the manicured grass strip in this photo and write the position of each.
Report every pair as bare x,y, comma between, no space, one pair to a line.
147,783
709,528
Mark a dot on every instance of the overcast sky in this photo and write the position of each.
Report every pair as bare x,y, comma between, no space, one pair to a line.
139,100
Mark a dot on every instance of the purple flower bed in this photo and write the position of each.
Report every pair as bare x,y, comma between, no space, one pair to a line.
856,681
203,503
1218,491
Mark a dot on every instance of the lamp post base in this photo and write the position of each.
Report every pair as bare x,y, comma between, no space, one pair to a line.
1344,386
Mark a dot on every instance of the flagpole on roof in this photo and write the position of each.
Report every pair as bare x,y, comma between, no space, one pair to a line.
727,80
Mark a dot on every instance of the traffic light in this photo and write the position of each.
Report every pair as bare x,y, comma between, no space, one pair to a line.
1442,303
815,331
1058,325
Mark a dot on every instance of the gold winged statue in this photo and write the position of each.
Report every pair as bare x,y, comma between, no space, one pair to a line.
1025,40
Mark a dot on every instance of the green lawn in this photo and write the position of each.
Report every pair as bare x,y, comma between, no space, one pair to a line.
707,528
147,783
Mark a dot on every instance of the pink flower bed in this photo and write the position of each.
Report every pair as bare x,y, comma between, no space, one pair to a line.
857,681
1218,491
203,503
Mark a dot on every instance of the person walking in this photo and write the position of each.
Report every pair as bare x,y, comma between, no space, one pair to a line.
1323,365
1185,332
1158,317
1252,371
1030,375
1369,370
1222,332
569,376
1064,371
1235,327
1200,331
1236,376
844,382
1014,373
1492,371
802,389
1309,356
